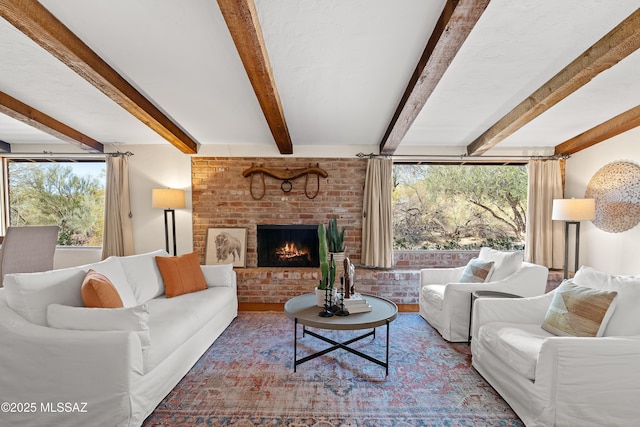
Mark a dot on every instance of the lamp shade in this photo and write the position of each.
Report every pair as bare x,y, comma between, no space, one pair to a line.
574,209
167,198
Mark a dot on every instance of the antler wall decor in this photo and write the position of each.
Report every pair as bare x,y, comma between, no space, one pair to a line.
285,175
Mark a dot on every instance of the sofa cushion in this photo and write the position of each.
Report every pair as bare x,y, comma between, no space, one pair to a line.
112,269
29,294
181,274
132,319
625,320
477,271
173,321
506,263
433,295
98,292
579,311
143,275
218,275
516,346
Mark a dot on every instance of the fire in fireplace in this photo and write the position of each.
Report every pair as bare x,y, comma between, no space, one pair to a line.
288,246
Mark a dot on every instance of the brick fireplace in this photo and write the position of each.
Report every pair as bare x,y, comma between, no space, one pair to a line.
222,198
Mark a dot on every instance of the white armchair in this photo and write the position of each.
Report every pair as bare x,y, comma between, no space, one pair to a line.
568,381
445,302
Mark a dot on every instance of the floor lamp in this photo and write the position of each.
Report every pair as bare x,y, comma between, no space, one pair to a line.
572,211
169,199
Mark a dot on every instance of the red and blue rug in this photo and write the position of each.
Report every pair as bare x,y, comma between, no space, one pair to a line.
246,379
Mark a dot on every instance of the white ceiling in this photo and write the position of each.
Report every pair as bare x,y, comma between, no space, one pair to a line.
340,67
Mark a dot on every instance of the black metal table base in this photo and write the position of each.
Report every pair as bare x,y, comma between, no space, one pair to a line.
337,345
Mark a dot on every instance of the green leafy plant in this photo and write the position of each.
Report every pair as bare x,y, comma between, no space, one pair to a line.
324,258
336,238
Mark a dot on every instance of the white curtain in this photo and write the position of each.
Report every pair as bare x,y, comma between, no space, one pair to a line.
117,238
544,243
377,229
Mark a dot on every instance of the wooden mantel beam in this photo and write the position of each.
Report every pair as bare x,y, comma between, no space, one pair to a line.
619,43
39,120
242,19
454,25
612,127
36,22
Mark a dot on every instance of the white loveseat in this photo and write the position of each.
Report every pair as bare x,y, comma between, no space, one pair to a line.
445,302
68,376
568,381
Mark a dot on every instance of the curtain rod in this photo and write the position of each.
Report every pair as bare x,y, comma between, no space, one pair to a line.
46,154
462,157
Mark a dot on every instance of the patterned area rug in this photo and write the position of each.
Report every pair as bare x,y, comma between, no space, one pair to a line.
246,379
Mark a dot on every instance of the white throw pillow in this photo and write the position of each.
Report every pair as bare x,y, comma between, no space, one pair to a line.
626,319
29,294
506,263
218,275
143,275
131,319
113,271
590,277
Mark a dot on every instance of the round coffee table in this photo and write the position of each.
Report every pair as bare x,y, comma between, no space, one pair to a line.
303,309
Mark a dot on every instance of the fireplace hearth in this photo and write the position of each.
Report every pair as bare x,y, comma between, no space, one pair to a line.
292,245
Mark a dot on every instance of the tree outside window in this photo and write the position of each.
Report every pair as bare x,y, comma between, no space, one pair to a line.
459,207
67,194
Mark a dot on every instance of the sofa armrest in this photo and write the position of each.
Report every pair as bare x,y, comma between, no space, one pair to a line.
591,378
440,276
41,364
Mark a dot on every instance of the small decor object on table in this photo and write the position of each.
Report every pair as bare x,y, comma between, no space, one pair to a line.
347,278
341,311
356,303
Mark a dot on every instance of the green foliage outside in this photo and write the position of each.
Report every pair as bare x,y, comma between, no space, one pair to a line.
43,194
459,206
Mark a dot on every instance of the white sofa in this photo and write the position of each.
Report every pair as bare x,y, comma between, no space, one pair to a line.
445,302
568,381
77,375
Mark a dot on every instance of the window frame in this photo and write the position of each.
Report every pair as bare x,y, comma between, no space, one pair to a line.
503,161
27,158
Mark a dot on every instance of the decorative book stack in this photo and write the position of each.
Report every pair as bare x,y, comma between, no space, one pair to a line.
356,304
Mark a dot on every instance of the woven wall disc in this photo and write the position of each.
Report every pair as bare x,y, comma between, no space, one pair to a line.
616,189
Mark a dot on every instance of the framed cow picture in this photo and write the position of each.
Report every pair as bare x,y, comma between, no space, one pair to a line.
226,246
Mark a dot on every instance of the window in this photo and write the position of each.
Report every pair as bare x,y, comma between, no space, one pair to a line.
460,207
67,193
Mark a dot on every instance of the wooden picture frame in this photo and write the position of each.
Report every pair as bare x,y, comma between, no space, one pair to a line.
226,246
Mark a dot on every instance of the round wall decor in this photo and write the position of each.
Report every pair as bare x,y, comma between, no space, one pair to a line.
616,189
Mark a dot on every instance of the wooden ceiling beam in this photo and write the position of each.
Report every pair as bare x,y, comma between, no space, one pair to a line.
242,19
619,43
39,120
36,22
615,126
454,25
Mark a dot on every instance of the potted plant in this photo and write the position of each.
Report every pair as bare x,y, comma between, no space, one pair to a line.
336,243
328,274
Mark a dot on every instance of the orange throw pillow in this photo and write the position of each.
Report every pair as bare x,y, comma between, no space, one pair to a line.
99,292
181,274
